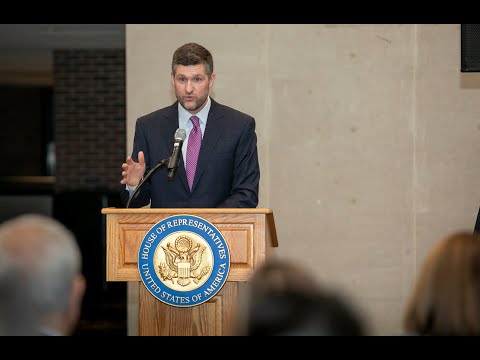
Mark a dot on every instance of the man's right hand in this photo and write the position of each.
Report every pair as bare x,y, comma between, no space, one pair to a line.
132,171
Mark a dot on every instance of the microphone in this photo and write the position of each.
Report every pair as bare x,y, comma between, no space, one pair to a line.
180,136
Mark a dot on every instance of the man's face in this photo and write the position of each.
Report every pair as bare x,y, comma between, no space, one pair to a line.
192,86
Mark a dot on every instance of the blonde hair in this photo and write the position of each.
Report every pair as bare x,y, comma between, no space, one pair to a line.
446,297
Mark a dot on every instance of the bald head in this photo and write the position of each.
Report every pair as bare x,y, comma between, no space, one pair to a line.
35,239
46,259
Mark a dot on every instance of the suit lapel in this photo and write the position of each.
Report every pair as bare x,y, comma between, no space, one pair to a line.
171,125
171,128
213,131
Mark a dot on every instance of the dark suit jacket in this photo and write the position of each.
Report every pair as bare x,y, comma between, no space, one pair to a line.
227,173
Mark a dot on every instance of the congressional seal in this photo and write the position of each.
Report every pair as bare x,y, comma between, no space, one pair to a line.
183,260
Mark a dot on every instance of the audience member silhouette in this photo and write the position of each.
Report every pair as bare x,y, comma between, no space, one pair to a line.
16,315
40,272
284,299
446,296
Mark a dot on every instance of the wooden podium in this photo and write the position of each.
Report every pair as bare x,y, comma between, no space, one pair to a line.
249,233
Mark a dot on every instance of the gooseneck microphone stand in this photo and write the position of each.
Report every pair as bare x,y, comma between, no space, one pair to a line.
162,163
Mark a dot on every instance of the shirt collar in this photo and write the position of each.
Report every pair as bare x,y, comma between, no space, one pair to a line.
184,115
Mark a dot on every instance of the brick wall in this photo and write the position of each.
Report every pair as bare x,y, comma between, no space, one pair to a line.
89,112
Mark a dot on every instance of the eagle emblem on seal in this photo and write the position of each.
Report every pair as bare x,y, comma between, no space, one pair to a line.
183,262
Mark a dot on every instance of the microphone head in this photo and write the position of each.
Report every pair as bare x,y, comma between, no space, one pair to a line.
180,134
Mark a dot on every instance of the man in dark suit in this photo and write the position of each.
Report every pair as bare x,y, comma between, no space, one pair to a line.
225,173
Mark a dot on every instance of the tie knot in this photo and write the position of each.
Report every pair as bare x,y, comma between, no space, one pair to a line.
195,121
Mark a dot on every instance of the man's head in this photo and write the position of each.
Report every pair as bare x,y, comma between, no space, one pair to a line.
283,298
47,261
192,76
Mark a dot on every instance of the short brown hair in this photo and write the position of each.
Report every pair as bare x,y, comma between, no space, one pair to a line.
193,54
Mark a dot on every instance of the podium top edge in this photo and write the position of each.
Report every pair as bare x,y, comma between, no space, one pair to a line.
112,210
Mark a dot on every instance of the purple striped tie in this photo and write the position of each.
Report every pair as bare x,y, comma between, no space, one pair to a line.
193,148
